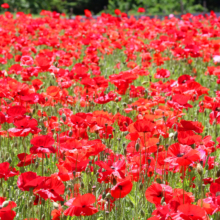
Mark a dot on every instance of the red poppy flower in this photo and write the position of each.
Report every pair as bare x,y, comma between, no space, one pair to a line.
56,213
43,62
162,73
88,13
143,125
156,191
179,102
6,171
15,111
191,212
111,168
141,10
191,126
121,189
42,144
26,178
5,5
6,213
24,126
81,206
26,159
27,60
105,98
182,155
50,188
189,137
117,12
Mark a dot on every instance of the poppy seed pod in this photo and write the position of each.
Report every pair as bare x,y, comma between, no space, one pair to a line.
199,169
63,116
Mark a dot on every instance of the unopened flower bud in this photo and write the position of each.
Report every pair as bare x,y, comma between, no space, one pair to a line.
5,204
218,174
199,169
137,146
55,205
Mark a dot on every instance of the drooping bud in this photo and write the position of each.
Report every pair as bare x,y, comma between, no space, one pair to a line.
199,169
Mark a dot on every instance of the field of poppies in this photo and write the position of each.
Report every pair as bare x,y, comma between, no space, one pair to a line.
109,118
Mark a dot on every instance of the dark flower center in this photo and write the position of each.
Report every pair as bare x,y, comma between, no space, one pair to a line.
180,155
84,206
120,187
159,195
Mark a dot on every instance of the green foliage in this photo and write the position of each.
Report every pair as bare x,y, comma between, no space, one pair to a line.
153,7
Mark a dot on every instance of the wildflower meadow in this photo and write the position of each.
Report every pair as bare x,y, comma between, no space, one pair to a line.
109,118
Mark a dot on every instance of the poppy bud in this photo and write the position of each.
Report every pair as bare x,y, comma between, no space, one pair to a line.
106,206
158,180
118,109
142,213
129,101
5,204
36,165
190,168
131,204
114,181
108,196
55,205
162,200
125,133
124,145
70,133
124,105
43,216
137,146
199,169
9,160
63,116
30,203
218,174
103,195
141,186
87,169
175,136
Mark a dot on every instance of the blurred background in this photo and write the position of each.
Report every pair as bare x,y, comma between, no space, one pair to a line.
76,7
